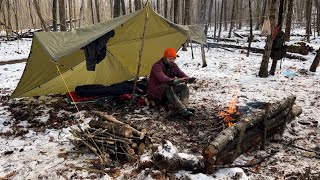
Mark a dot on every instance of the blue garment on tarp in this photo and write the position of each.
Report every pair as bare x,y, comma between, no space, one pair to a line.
96,51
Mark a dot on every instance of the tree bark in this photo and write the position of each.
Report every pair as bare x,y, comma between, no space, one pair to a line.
37,7
280,15
158,7
91,10
216,9
209,21
137,5
257,14
316,3
123,7
288,20
187,20
263,72
280,20
54,15
70,13
81,12
250,38
203,56
31,17
315,62
62,15
130,6
176,11
221,15
240,12
225,18
97,4
116,9
308,18
233,19
166,9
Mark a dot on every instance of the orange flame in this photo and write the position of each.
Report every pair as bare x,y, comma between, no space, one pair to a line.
228,114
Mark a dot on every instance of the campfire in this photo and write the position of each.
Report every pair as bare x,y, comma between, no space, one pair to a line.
230,115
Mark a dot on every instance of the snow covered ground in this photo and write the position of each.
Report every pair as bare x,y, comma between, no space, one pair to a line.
229,74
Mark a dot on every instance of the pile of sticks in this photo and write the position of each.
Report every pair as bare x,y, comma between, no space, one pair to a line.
109,137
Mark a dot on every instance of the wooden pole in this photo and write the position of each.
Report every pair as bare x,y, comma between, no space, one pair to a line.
140,56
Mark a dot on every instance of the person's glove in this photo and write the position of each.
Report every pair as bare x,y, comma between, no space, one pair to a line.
177,81
191,80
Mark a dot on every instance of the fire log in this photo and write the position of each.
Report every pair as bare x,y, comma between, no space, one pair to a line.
123,130
112,119
225,148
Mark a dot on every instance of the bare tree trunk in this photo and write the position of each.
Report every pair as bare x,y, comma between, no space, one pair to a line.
98,10
123,7
316,3
203,56
54,15
315,62
37,7
116,9
176,11
233,19
209,21
81,12
251,28
308,20
74,14
8,19
166,9
257,14
158,6
288,20
225,18
171,11
130,6
186,20
70,13
31,17
91,10
240,14
263,72
111,8
137,5
221,15
216,8
15,10
62,15
280,15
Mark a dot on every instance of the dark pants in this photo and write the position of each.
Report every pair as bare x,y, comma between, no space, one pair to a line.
177,95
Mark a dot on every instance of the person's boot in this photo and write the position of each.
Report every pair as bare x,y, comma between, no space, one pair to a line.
191,110
186,114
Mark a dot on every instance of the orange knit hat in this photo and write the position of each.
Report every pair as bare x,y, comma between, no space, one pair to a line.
170,52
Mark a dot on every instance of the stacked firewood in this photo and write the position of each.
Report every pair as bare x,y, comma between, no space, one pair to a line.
109,137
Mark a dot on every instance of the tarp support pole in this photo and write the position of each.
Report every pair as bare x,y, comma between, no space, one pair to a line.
140,57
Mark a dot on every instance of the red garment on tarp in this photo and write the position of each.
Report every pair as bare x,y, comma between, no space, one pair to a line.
73,95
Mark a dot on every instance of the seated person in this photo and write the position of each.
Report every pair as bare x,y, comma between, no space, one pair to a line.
167,83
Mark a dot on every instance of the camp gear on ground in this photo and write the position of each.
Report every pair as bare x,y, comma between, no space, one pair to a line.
162,74
53,53
96,50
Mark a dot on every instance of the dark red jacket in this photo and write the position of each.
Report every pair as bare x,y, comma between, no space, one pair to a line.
161,74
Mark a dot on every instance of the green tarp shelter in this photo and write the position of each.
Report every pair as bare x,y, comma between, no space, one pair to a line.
52,52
